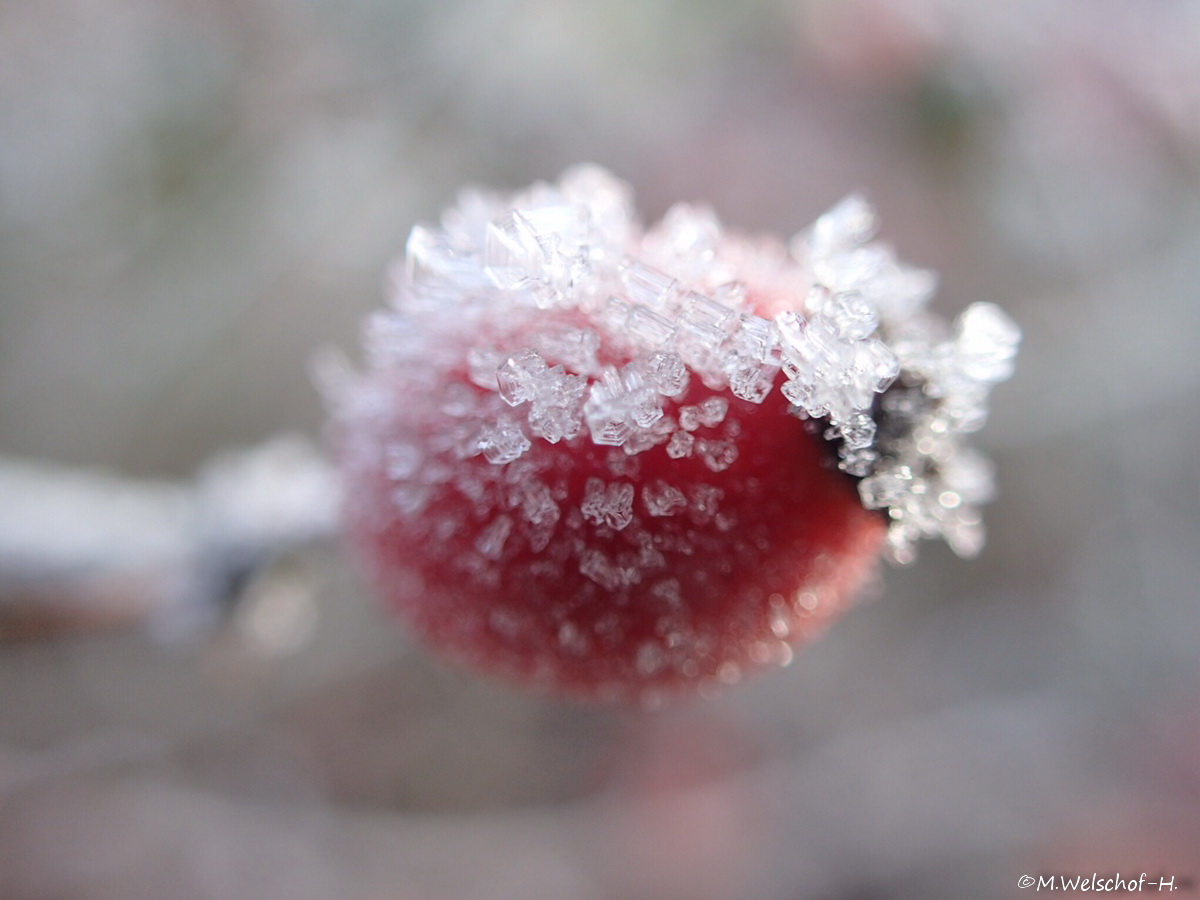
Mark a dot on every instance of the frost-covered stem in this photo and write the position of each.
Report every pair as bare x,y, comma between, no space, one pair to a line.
84,548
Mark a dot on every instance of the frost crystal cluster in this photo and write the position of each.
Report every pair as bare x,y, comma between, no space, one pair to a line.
589,326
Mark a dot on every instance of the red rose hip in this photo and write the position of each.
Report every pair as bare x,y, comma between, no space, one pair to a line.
620,463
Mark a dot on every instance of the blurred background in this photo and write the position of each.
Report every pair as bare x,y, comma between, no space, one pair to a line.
197,195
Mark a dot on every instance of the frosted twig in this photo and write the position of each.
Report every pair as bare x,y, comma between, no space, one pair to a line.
84,548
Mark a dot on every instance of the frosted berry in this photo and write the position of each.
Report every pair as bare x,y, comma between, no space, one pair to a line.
620,462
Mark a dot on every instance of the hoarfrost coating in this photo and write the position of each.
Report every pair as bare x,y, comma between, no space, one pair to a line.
604,459
618,318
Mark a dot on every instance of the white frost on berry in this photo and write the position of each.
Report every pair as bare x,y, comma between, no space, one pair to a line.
663,499
610,505
586,326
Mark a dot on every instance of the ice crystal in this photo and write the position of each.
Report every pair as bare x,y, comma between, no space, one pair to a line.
503,442
663,499
680,445
610,505
717,455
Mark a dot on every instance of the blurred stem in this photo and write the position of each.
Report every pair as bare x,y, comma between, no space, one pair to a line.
83,549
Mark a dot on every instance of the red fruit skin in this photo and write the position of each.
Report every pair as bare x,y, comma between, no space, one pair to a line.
579,606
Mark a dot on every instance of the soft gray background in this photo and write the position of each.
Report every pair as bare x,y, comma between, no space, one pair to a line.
195,194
